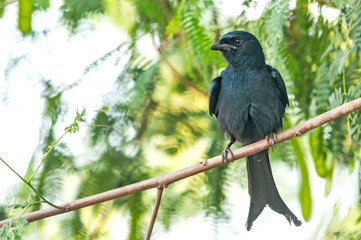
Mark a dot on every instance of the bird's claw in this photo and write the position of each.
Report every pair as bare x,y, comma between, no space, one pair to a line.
227,150
273,138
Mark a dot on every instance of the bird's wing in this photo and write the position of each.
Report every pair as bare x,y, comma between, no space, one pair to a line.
214,89
278,80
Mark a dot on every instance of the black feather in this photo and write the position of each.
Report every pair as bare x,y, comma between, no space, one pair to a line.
214,89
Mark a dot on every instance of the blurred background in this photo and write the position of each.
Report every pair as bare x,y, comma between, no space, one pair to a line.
141,70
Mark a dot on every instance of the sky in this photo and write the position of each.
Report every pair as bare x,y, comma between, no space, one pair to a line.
63,58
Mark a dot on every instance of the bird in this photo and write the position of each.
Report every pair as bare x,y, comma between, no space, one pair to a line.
249,100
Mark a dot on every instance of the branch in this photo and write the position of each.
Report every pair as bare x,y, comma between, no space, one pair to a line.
165,9
145,117
165,180
164,46
7,3
155,212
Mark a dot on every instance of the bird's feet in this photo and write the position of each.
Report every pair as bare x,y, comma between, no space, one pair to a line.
227,150
272,137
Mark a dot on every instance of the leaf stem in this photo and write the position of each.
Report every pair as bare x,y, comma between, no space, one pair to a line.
29,184
41,196
98,125
46,154
31,204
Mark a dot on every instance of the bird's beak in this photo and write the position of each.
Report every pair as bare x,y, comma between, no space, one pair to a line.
222,47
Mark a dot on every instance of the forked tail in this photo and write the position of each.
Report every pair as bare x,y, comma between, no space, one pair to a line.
263,191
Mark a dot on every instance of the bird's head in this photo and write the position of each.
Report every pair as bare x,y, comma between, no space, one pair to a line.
241,48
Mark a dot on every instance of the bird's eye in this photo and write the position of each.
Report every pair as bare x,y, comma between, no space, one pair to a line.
237,42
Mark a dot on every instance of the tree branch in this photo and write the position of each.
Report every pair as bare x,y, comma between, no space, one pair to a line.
145,117
165,9
2,6
155,212
165,180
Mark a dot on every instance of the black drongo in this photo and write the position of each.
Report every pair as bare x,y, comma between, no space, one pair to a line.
249,100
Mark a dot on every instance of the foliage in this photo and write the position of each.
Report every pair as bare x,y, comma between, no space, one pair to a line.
349,228
13,230
163,103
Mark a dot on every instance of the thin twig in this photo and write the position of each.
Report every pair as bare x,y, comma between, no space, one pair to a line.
155,212
203,166
145,118
46,155
30,185
31,204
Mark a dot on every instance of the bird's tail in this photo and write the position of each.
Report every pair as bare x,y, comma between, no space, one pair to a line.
263,191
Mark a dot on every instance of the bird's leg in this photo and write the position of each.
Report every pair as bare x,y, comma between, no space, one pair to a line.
227,150
273,137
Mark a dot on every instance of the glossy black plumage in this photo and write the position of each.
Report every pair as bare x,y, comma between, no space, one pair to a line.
249,100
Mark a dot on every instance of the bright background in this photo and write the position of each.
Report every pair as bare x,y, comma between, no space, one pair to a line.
62,57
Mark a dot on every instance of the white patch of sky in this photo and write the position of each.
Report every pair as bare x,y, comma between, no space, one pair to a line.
329,13
233,8
62,58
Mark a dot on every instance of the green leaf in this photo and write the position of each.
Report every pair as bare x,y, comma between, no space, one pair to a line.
41,4
305,191
103,109
2,7
317,151
19,205
13,230
75,10
74,126
26,8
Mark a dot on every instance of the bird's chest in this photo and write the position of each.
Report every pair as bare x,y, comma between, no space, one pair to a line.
245,106
241,91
